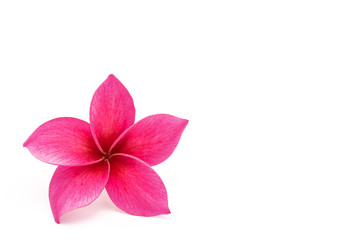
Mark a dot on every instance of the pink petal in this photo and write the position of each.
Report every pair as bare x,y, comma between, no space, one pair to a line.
64,141
135,188
75,187
111,112
152,139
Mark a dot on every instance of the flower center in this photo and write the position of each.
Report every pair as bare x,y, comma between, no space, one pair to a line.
107,156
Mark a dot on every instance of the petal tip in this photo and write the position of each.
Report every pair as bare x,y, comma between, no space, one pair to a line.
164,211
26,143
112,77
167,211
183,123
56,217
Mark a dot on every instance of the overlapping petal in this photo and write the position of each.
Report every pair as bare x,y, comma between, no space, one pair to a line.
152,139
111,112
64,141
75,187
135,188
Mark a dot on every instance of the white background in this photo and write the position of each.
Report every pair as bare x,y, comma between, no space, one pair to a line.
271,89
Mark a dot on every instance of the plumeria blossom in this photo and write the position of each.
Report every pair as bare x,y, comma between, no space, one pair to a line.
111,152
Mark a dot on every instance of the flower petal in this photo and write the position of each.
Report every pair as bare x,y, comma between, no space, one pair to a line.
135,188
75,187
64,141
152,139
112,111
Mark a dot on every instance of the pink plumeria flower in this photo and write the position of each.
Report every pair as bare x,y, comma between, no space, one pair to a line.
111,152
